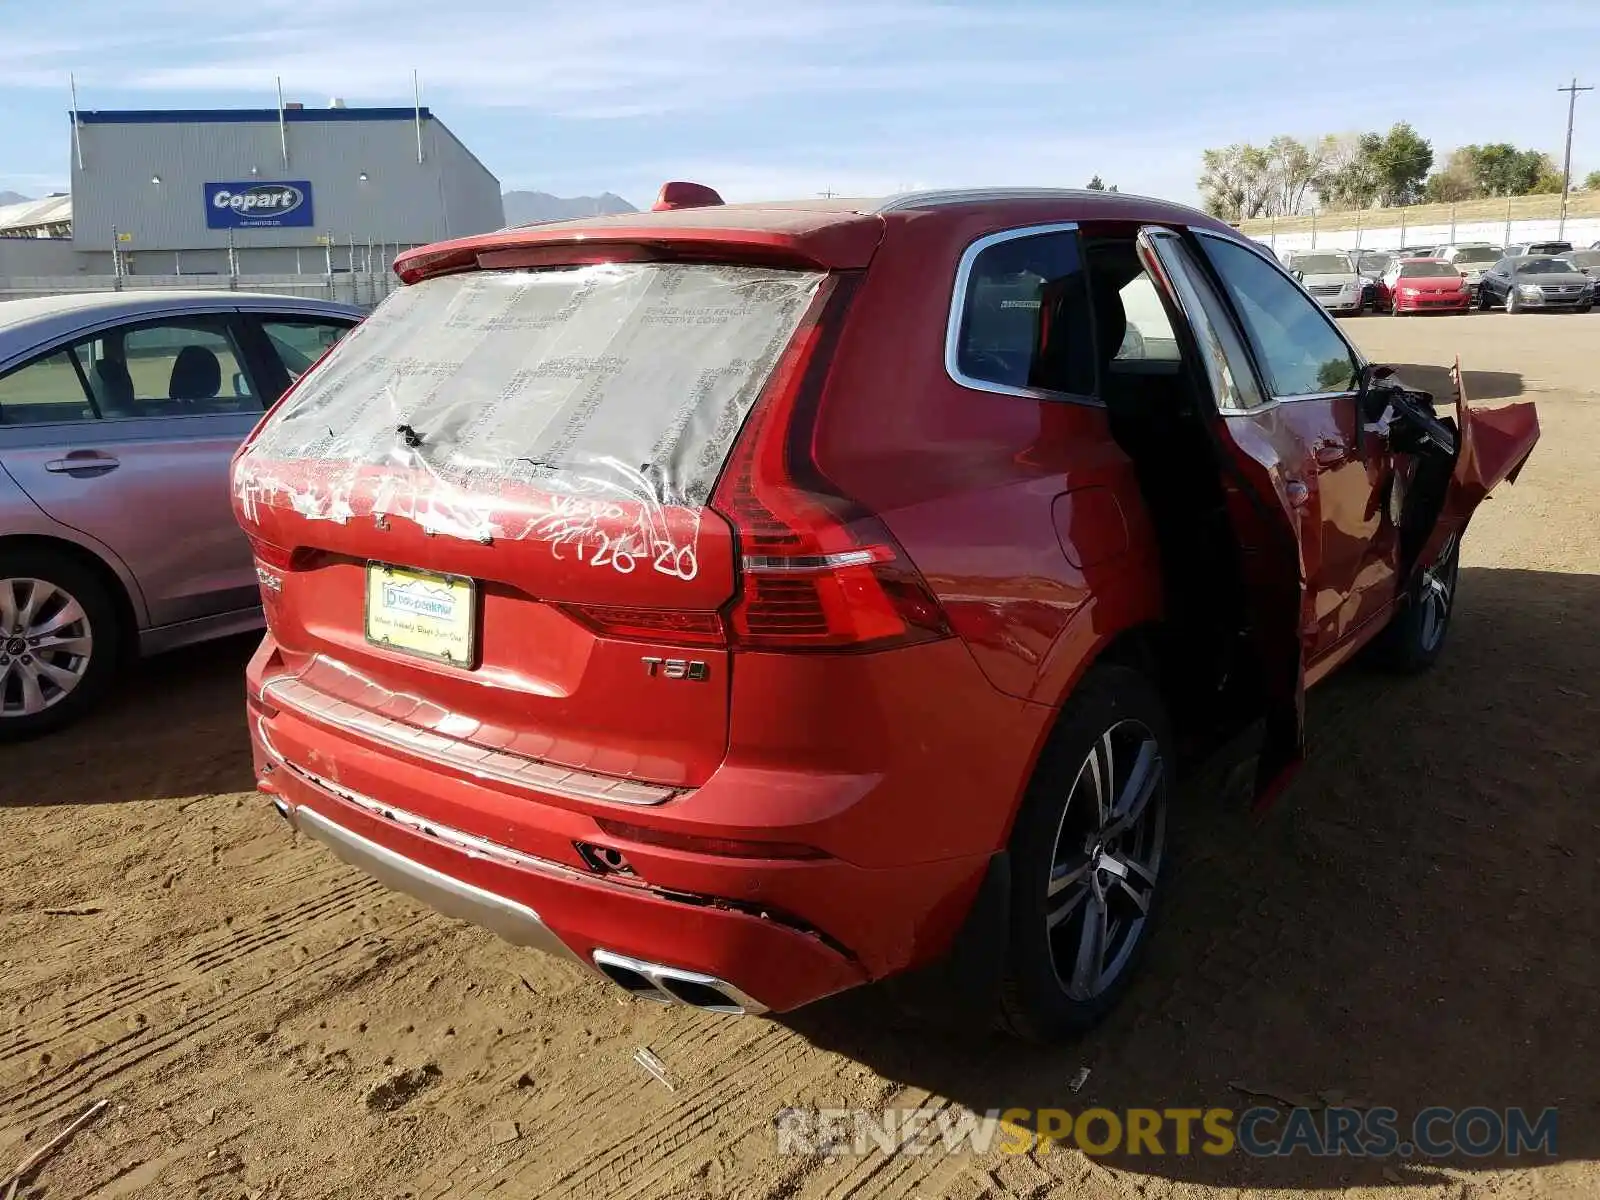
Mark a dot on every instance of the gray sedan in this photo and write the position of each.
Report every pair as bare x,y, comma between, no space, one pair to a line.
119,414
1524,282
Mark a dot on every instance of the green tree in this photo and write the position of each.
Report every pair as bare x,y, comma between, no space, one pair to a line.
1548,180
1591,182
1348,178
1096,184
1503,170
1400,160
1456,180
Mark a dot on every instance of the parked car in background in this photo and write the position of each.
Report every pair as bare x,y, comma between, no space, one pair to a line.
753,602
1426,285
1372,264
1539,281
1587,261
1332,278
119,413
1415,251
1525,249
1472,259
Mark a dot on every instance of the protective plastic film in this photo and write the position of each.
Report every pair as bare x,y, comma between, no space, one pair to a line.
597,391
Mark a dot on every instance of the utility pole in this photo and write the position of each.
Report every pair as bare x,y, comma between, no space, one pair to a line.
1572,91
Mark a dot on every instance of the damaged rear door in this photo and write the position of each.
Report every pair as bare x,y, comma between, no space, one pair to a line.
1273,510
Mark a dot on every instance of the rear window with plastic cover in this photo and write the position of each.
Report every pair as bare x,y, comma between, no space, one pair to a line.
625,381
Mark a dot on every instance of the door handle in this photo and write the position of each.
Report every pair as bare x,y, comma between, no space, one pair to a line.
1330,451
83,464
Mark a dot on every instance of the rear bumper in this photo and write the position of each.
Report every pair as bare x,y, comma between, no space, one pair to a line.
761,933
755,964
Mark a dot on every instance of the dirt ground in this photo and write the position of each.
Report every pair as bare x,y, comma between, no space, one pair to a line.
1413,925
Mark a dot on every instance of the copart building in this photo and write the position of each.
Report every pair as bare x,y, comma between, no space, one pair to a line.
289,190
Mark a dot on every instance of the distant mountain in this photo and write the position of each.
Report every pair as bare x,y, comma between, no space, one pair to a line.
13,198
523,208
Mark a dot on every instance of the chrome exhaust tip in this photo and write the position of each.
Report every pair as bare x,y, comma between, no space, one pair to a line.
673,985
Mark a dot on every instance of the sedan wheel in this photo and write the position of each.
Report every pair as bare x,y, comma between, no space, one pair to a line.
45,646
58,642
1513,305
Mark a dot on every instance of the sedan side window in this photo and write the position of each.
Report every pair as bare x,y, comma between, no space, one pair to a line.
46,391
1022,322
175,368
1298,347
299,342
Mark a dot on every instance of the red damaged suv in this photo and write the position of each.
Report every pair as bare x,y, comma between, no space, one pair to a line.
749,602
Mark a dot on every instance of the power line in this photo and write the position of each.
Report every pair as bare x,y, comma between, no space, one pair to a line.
1572,91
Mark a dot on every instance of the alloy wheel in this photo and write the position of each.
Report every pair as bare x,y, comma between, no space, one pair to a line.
1106,860
1438,589
45,646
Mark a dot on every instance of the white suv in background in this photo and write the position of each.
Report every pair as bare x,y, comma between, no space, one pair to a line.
1472,259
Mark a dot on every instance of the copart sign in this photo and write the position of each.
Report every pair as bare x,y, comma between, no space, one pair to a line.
258,205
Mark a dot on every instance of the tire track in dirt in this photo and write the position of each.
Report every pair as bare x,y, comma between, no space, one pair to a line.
118,994
348,961
696,1128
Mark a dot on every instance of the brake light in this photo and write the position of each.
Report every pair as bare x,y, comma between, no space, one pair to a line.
818,572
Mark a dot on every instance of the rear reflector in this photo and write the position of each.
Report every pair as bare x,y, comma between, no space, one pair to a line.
694,844
651,625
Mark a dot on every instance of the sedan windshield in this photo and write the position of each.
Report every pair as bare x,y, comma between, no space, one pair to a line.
1428,270
1544,266
1322,264
1477,254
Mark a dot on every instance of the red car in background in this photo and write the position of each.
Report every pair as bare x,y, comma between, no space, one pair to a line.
1426,285
748,602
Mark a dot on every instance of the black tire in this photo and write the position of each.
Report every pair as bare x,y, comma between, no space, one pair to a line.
1034,1001
1512,303
1415,637
75,582
1583,308
1483,298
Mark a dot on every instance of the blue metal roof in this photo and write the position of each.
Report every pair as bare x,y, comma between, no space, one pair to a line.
208,116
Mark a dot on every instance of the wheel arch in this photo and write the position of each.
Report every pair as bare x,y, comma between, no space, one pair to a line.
122,591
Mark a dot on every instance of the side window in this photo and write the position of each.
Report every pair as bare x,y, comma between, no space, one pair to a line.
299,342
1222,354
46,391
1149,337
1023,320
1299,348
177,368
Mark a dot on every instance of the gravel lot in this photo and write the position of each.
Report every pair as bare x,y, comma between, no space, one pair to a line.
1413,925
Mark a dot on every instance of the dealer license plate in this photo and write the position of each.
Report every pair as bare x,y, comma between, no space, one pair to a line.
421,613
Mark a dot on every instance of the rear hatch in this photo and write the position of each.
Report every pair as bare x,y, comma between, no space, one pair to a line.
486,512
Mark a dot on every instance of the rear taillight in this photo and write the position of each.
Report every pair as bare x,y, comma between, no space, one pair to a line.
818,572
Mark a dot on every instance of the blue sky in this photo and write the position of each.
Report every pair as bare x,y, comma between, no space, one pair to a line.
764,99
